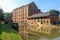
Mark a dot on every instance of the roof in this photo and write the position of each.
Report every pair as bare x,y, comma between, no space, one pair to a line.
23,6
39,15
20,7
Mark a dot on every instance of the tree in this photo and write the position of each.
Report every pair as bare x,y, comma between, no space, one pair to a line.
59,19
8,33
1,15
54,12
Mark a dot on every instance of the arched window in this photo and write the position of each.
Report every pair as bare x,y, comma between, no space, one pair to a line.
38,20
44,21
34,20
38,29
41,22
47,21
41,29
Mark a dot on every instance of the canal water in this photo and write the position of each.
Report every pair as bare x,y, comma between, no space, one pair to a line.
42,39
58,38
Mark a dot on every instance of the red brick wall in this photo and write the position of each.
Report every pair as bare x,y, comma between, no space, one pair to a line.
33,9
52,18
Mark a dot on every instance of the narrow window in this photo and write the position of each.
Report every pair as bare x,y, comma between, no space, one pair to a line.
38,29
34,21
41,22
41,29
38,20
44,21
47,21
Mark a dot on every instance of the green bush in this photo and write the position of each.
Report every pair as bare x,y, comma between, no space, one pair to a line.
8,33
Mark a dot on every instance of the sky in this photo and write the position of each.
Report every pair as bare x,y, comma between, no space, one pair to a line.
43,5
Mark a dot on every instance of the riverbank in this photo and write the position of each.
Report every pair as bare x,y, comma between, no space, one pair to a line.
8,33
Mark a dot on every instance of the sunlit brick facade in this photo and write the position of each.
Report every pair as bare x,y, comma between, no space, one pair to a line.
21,15
39,25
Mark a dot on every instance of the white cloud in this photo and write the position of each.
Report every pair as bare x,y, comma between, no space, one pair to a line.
6,5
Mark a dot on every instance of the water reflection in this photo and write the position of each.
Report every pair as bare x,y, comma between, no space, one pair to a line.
42,39
58,38
59,31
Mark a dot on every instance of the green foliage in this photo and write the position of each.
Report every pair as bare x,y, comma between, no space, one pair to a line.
54,12
1,15
8,33
7,15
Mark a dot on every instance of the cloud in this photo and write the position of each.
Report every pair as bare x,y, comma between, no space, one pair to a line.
6,5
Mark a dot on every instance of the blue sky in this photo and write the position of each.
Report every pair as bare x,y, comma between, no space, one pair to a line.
44,5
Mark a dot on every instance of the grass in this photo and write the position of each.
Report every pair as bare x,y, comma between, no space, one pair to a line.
8,33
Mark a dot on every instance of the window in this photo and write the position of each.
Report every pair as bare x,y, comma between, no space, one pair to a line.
38,20
26,20
31,22
22,29
34,20
32,26
38,29
41,22
44,17
22,17
44,21
19,18
14,15
41,29
47,21
47,30
41,17
44,29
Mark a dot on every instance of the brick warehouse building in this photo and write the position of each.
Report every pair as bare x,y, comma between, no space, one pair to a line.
29,15
20,15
